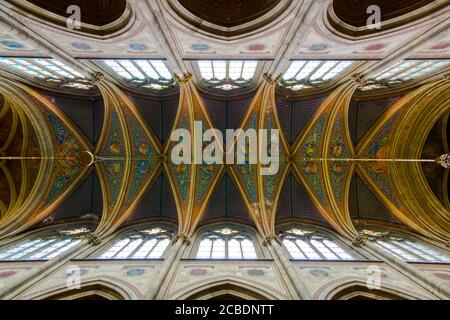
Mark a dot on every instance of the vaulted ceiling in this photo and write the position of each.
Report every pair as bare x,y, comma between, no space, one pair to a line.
125,117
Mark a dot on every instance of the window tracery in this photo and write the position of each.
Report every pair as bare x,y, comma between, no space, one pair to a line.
45,246
405,248
405,71
227,74
304,74
147,74
50,70
312,245
226,243
144,243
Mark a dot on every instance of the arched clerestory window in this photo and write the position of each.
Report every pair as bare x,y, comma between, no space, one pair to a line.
305,244
44,246
226,243
405,247
142,243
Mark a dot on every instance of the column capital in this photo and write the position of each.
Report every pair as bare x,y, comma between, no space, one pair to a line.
97,77
446,76
183,79
93,238
268,77
359,79
183,237
360,240
270,238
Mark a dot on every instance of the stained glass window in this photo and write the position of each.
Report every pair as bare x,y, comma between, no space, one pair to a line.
49,70
309,74
405,249
227,75
226,243
44,247
405,71
145,243
311,245
149,74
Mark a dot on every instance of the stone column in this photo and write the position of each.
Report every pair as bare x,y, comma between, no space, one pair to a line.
302,290
178,243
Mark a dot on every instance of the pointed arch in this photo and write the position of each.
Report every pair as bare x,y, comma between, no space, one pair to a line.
345,289
236,286
109,287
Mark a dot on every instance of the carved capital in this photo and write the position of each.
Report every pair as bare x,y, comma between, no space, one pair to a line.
272,237
93,238
360,240
268,78
97,78
359,80
183,237
185,78
446,77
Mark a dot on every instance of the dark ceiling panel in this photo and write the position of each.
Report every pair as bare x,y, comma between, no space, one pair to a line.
302,206
302,111
236,207
284,110
362,115
151,111
218,112
226,204
229,13
99,117
217,206
354,12
168,207
158,202
169,112
364,205
227,114
80,202
284,208
95,12
150,205
236,110
80,111
295,203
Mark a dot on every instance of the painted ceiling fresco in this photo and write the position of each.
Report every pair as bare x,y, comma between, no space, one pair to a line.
129,161
329,150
